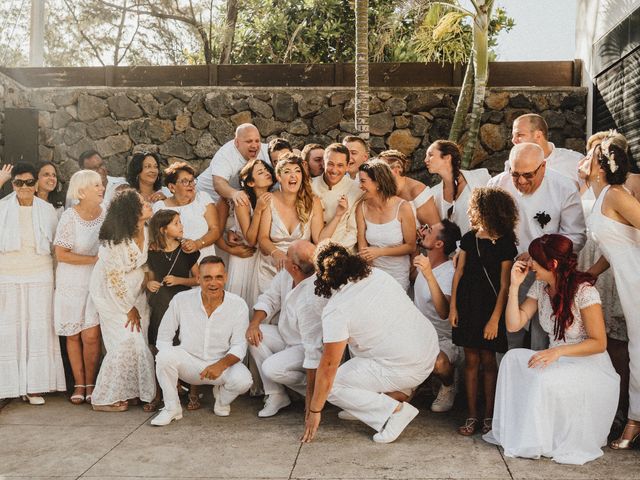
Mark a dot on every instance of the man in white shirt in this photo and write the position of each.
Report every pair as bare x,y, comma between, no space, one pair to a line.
283,352
212,325
339,195
432,292
548,202
358,153
532,128
220,179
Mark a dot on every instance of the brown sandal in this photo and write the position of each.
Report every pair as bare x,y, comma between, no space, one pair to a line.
487,425
114,407
153,405
194,401
469,428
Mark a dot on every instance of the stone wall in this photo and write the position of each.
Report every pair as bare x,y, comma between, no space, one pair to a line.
192,123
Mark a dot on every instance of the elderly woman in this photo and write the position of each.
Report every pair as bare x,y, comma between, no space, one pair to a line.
558,402
49,188
294,213
197,210
76,249
117,291
386,224
30,363
416,193
393,346
143,175
453,193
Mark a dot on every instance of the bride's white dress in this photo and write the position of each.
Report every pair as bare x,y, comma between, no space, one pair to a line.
563,411
620,244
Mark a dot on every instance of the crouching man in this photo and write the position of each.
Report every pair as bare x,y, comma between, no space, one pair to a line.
212,325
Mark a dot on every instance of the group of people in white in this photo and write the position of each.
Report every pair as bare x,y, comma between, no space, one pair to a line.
260,272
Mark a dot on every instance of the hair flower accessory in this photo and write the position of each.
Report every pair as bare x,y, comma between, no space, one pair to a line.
542,218
609,155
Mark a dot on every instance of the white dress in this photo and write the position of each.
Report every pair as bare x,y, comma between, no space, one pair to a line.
620,244
30,360
422,198
281,238
192,218
563,411
389,234
117,281
241,277
73,310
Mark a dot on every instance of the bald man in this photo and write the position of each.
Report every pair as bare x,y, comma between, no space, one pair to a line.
220,179
532,128
548,202
289,352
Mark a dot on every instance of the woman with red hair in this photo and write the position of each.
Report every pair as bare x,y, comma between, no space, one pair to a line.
558,402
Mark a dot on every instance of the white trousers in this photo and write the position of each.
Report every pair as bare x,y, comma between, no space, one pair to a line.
175,363
359,389
279,364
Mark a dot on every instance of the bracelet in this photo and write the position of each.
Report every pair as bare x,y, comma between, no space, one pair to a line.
314,411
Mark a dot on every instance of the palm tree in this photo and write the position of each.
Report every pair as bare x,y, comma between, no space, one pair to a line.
362,68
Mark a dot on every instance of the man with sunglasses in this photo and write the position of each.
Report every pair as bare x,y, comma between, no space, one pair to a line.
548,202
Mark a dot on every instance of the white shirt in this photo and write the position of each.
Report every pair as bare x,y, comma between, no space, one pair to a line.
209,338
227,163
300,310
380,322
444,276
346,233
556,196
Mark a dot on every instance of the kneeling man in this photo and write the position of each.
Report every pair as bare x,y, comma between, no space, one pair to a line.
283,352
212,324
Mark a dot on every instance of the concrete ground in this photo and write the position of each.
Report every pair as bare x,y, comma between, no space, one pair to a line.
60,440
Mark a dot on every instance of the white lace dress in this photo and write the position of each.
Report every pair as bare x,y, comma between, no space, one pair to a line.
117,280
73,310
563,411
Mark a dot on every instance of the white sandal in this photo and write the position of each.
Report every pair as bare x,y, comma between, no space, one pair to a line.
88,397
77,399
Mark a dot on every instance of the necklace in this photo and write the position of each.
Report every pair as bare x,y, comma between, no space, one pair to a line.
170,256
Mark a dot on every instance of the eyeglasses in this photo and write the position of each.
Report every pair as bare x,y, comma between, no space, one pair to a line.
425,227
24,183
185,182
526,175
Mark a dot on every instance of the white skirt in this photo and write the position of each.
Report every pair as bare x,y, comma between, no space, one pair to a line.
73,309
242,279
563,411
30,360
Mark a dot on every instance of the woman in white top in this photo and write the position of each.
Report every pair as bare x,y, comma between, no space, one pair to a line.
558,402
453,193
295,213
143,175
30,361
614,224
386,224
419,196
49,188
197,211
117,291
76,248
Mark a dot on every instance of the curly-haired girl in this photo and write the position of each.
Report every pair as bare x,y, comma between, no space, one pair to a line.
479,294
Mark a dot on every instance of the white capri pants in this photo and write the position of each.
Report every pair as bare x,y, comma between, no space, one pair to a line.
175,363
279,364
360,386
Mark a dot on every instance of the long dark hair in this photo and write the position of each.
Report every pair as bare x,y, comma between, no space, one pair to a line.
162,218
135,168
246,176
335,266
544,250
446,147
57,196
121,222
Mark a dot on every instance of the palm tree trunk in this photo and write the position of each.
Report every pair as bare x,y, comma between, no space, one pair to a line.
466,93
362,68
229,31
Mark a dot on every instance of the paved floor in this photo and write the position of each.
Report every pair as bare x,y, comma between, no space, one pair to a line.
59,440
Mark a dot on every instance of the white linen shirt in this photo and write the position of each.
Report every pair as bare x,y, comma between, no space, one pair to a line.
557,196
227,163
300,314
208,338
346,233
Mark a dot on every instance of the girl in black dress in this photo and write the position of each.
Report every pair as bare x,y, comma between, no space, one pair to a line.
171,271
479,295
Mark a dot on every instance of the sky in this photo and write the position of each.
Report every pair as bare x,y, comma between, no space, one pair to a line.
544,30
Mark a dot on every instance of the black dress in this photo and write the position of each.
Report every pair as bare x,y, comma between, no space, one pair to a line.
475,298
159,263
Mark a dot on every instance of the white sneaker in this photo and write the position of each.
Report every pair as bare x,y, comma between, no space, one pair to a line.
273,404
218,408
344,415
396,424
165,417
444,400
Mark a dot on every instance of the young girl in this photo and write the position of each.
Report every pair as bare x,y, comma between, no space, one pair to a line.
171,271
479,295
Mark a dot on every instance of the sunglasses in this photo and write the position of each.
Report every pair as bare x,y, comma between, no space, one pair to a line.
526,175
24,183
